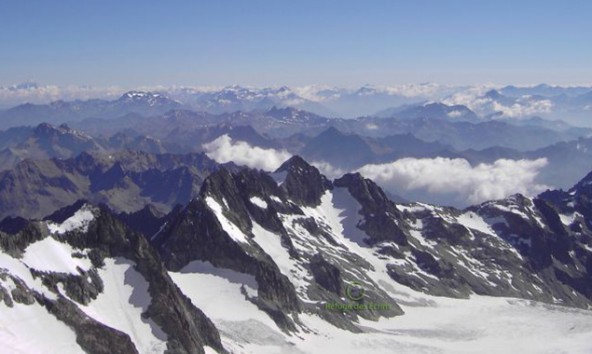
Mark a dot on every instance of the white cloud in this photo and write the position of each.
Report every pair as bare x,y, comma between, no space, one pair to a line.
224,149
34,93
458,179
455,114
436,180
418,90
523,107
475,99
328,170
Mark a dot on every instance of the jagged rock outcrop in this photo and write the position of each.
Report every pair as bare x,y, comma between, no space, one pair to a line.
89,238
302,182
126,181
294,249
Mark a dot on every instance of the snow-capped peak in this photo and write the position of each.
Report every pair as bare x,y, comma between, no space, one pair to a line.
78,221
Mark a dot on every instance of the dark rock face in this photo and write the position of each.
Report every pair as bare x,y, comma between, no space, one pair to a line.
305,242
553,253
12,225
186,327
126,181
92,336
303,183
197,234
430,249
570,245
380,214
147,221
326,274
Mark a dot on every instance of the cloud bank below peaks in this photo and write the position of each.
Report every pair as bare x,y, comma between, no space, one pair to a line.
457,179
435,180
224,149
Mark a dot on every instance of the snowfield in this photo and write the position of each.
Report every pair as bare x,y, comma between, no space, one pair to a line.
479,325
430,324
121,304
50,255
79,220
31,329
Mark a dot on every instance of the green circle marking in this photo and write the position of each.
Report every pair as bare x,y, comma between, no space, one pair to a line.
352,286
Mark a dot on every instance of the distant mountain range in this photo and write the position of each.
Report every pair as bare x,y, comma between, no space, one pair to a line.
58,112
338,145
481,125
570,104
126,181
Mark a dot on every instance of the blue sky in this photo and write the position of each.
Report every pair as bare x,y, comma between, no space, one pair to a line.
296,42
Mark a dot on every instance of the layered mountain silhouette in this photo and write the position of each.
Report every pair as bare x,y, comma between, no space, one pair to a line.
285,247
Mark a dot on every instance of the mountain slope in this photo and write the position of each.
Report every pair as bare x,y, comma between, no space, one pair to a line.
103,286
45,142
294,262
323,237
124,181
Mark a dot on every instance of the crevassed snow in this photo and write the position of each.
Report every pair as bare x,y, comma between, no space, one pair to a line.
219,296
30,329
228,274
430,324
50,255
124,298
79,220
450,326
231,229
485,325
259,202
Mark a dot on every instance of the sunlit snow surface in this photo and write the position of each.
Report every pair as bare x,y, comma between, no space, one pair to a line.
31,329
79,220
259,202
231,229
430,324
50,255
121,304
